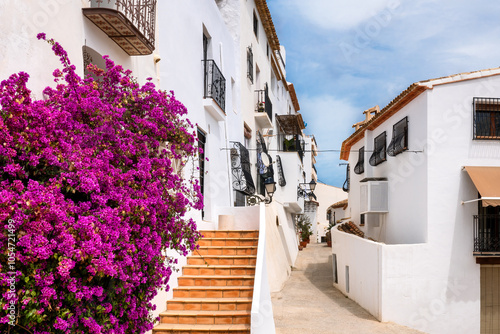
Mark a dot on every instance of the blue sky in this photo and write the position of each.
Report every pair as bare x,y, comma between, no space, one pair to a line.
344,57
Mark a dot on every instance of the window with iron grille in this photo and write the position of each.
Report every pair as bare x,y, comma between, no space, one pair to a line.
255,25
360,166
379,152
399,142
347,182
250,64
486,118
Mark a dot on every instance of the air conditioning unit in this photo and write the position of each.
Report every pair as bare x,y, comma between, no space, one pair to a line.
374,197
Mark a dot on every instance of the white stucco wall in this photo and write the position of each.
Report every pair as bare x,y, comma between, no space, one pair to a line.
181,70
399,283
20,50
405,222
327,195
278,267
433,286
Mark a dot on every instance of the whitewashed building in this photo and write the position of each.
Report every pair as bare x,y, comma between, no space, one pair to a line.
428,260
224,62
326,196
70,23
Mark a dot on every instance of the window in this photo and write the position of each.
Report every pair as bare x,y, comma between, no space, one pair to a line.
362,220
360,166
250,64
201,144
90,56
486,118
255,25
399,142
378,155
267,50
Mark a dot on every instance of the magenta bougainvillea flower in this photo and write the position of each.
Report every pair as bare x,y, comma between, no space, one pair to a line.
89,191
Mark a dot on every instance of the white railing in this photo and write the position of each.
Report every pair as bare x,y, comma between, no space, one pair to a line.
262,308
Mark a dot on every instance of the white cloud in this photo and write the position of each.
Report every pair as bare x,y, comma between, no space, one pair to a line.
342,15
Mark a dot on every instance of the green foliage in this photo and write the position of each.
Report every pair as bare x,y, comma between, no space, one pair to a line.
304,227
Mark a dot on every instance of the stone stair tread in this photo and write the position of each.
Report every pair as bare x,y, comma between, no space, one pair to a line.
201,328
211,300
232,231
224,256
220,266
228,246
223,287
231,238
204,313
219,277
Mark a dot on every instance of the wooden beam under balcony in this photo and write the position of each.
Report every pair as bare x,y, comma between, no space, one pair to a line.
135,39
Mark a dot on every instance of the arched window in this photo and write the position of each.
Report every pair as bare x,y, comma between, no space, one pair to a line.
91,56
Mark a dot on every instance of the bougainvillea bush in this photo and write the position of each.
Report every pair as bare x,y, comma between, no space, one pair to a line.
89,189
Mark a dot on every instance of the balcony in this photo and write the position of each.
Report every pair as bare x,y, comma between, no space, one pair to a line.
129,23
264,109
291,143
214,90
487,235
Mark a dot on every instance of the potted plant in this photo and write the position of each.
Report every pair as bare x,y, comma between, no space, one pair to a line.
261,107
304,229
329,234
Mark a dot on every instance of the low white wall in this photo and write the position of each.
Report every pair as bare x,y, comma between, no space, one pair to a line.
278,266
262,318
363,257
406,284
245,218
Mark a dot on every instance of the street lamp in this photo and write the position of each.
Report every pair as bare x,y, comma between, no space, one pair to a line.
303,191
270,187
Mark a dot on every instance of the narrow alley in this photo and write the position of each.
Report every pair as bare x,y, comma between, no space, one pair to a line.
310,304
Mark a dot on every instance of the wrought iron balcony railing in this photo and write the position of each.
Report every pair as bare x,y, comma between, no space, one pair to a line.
360,166
291,143
487,235
129,23
264,103
347,183
215,83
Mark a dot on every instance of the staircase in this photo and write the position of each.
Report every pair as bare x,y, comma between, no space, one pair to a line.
216,287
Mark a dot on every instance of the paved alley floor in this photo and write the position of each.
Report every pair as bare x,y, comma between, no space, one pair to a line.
309,303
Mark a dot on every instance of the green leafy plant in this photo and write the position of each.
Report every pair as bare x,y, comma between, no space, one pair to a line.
92,200
304,227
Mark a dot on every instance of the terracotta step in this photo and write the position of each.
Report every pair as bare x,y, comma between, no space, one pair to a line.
218,270
222,260
198,280
228,241
212,329
225,250
209,304
230,234
213,292
205,317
